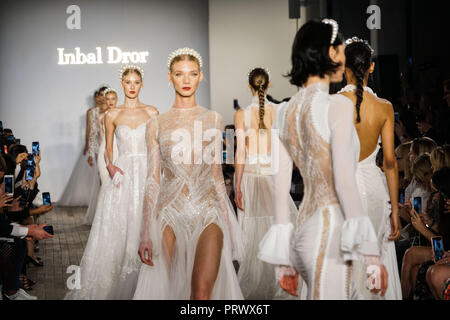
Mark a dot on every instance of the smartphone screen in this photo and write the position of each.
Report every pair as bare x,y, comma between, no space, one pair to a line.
9,184
418,204
438,248
35,147
49,229
30,160
29,173
46,198
401,196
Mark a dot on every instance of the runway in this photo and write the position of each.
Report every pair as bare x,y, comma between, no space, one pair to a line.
64,249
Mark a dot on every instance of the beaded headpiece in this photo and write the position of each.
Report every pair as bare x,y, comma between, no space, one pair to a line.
265,69
130,67
335,27
184,51
108,90
356,39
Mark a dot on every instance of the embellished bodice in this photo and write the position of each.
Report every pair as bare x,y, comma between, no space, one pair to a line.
306,135
131,141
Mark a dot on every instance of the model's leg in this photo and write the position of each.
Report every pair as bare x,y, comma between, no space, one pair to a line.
169,241
207,262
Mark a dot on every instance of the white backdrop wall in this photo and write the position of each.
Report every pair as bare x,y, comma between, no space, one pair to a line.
243,35
43,101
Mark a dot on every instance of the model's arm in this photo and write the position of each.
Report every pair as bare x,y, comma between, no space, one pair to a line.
88,130
239,163
152,188
390,168
110,128
358,235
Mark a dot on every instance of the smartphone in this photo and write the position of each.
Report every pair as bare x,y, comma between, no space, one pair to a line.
30,161
418,204
46,198
235,104
35,147
9,184
396,116
49,229
438,248
401,196
5,149
24,198
29,173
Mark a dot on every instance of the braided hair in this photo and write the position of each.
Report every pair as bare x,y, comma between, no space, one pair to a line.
259,81
358,59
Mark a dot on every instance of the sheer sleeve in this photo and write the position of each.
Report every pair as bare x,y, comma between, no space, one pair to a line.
152,185
237,239
358,235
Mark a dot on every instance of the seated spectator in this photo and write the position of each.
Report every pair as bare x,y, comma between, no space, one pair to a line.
438,278
417,259
13,247
404,168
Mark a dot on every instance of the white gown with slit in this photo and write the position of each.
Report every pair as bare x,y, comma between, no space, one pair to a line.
332,229
110,264
185,191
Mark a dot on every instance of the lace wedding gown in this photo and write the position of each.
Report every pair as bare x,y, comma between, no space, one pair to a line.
94,144
375,200
84,180
186,146
332,228
110,264
256,277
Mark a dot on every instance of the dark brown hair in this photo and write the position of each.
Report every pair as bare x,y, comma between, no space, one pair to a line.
259,81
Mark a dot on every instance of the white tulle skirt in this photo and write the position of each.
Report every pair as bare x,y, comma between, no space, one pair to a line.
256,277
82,184
110,264
375,200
